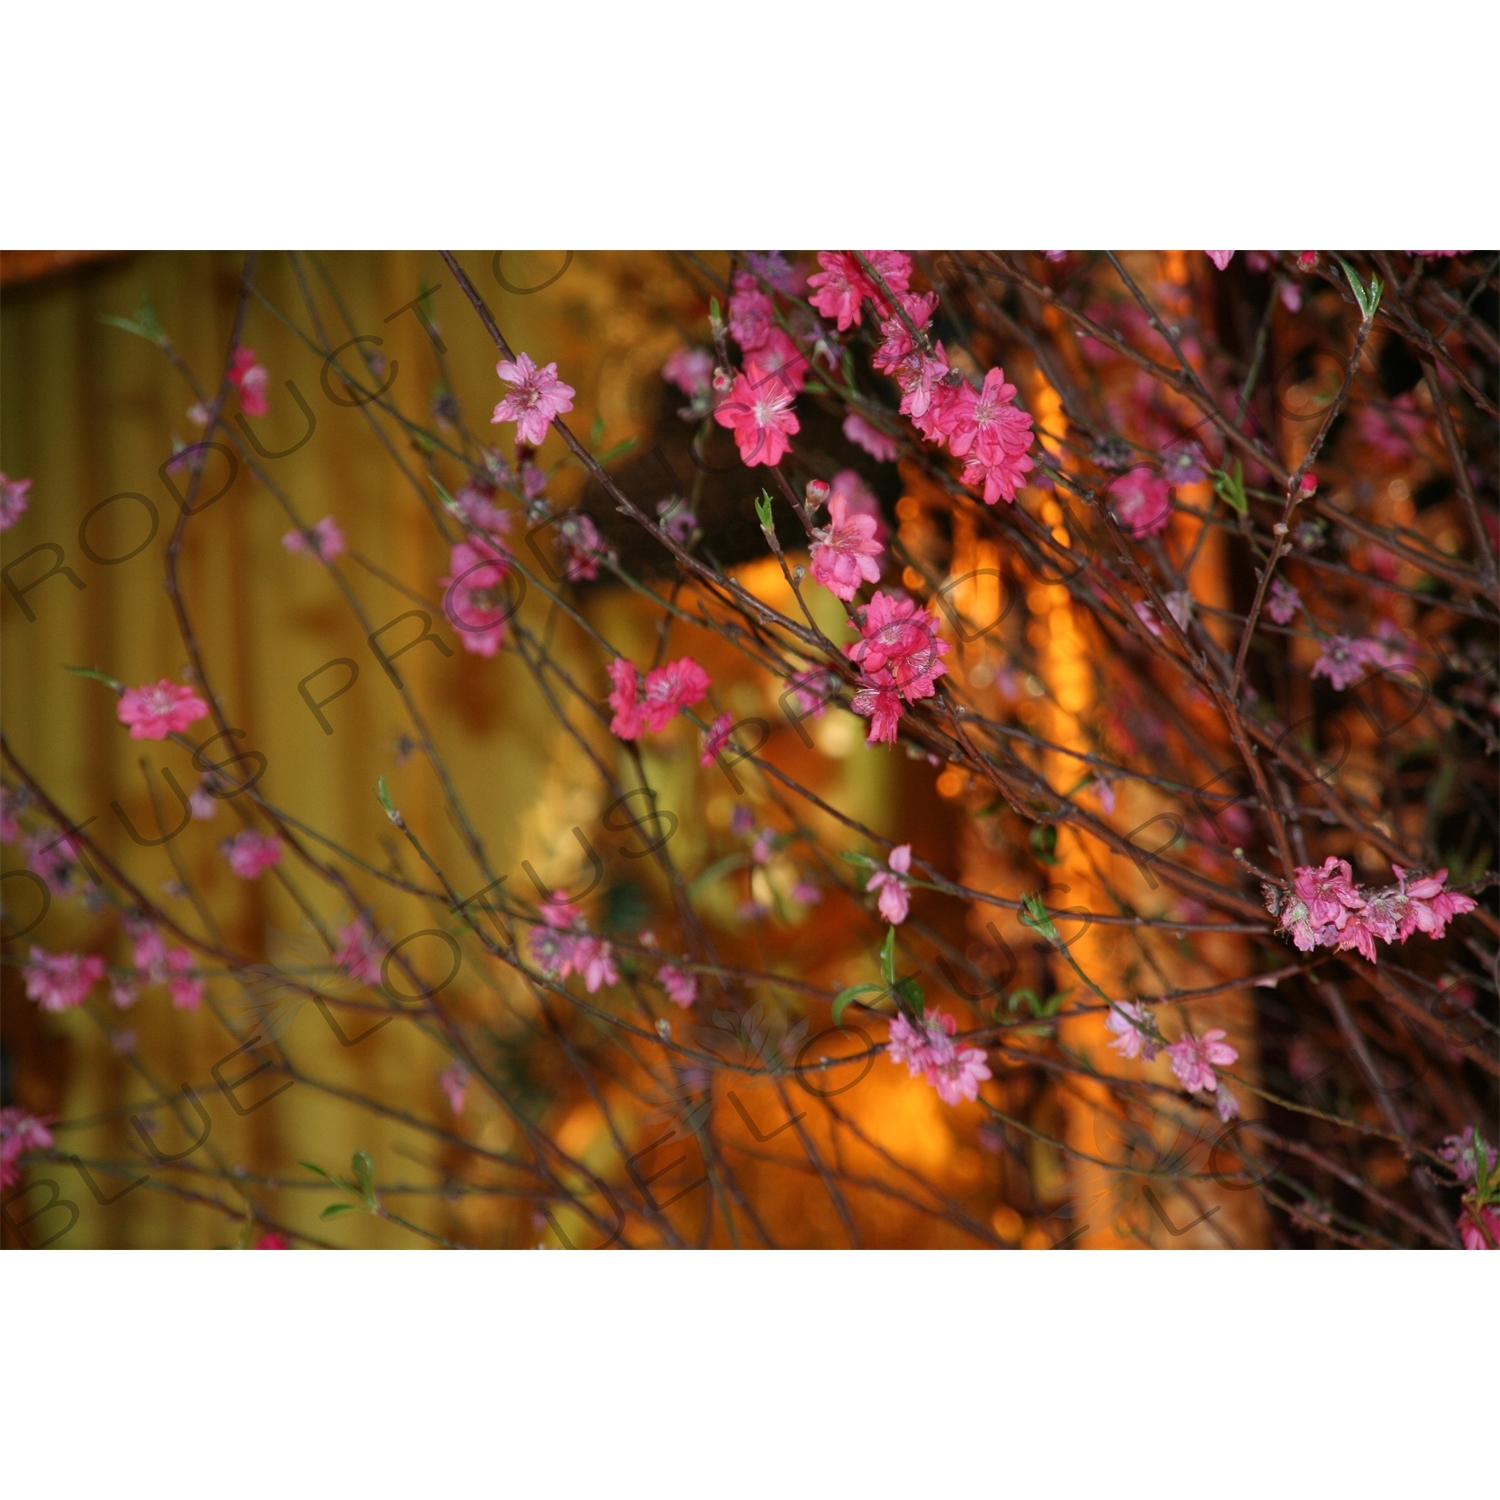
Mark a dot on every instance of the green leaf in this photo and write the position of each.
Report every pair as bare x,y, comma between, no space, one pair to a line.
863,860
1035,916
763,511
335,1209
715,317
383,793
364,1174
108,681
596,431
314,1167
1014,1000
842,999
143,325
911,992
1044,843
1368,297
888,956
1230,488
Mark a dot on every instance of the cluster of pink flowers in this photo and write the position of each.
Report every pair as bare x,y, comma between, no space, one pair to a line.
1284,601
563,945
327,540
13,500
653,702
538,396
928,1050
59,981
844,551
895,899
983,427
474,598
20,1131
1344,661
681,987
1193,1058
251,854
249,380
155,710
900,656
1326,909
862,434
155,963
1142,502
359,952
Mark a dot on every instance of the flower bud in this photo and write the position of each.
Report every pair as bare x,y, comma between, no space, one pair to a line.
818,491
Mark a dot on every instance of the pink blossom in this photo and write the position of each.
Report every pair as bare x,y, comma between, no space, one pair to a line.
1463,1152
593,959
781,362
691,371
752,313
764,846
1001,476
59,981
475,503
148,950
561,913
538,397
579,546
844,551
1142,502
454,1082
359,952
759,409
959,1074
551,950
1285,601
1429,907
1480,1228
474,598
807,893
1146,614
13,500
878,445
327,540
155,710
1328,891
630,717
670,689
203,805
878,700
186,990
57,860
842,284
928,1050
1131,1023
272,1241
898,637
812,691
1220,258
1056,256
124,992
681,987
20,1131
250,854
860,498
1104,790
1193,1059
1341,661
986,421
1389,649
250,380
1226,1104
894,900
716,739
1180,606
773,268
896,340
